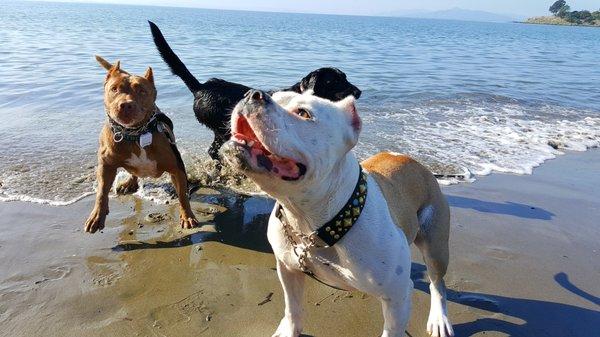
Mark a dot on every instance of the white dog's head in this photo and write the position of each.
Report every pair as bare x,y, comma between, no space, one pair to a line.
290,139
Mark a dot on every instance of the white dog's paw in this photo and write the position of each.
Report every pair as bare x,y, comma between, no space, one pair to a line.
288,328
438,325
392,334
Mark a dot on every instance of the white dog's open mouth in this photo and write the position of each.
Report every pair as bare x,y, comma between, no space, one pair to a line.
259,157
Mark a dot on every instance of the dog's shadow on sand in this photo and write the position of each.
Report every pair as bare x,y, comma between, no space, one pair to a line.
243,224
532,317
507,208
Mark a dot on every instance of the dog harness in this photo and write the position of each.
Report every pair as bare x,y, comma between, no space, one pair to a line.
159,122
331,232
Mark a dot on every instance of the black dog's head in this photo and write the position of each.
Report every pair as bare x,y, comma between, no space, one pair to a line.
329,83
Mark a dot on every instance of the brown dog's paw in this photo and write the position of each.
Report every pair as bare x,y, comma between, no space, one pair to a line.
188,222
128,187
95,222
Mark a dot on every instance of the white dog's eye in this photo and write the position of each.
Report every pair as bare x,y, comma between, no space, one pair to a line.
303,113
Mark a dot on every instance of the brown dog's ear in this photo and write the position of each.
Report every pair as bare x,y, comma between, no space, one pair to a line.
104,63
149,75
116,68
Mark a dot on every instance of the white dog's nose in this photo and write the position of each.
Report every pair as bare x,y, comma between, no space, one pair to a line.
255,96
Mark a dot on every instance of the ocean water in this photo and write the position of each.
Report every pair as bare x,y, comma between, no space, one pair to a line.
462,97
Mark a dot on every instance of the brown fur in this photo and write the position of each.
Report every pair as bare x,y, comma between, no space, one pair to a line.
409,187
140,92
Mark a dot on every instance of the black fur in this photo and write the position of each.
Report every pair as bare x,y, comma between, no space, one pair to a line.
215,98
330,83
164,119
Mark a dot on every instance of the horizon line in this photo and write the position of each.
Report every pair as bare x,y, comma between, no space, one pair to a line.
513,17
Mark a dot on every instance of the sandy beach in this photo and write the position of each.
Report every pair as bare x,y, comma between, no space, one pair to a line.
525,261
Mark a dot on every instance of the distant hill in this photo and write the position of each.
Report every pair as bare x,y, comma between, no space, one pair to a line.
454,14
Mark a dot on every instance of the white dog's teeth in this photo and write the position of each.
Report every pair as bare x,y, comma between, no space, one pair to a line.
243,141
251,143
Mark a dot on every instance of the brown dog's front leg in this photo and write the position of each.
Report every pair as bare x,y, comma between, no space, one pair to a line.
186,216
106,177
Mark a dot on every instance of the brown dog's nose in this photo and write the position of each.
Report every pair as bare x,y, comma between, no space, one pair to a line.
126,107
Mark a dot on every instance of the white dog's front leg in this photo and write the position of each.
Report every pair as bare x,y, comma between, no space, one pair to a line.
395,314
292,282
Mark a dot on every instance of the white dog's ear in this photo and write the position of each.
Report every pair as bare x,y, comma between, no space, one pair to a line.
308,92
348,104
283,97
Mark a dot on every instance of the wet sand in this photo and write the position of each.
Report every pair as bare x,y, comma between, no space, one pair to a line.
525,262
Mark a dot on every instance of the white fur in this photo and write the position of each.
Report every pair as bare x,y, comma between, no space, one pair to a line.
144,167
374,256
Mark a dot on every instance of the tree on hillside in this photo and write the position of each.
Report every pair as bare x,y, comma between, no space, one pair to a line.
560,9
557,6
579,17
586,17
564,12
573,17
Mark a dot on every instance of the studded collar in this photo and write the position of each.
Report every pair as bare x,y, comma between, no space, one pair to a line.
335,229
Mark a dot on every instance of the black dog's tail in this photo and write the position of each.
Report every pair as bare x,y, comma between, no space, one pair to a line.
168,55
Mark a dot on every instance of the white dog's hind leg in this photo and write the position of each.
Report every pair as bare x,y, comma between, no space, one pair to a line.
396,313
292,282
438,324
434,247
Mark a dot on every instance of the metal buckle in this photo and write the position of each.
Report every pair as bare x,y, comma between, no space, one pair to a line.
118,137
312,239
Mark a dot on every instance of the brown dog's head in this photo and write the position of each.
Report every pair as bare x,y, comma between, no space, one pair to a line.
129,99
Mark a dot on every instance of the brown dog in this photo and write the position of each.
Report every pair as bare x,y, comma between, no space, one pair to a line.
138,138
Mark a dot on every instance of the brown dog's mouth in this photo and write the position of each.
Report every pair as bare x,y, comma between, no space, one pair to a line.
285,168
131,120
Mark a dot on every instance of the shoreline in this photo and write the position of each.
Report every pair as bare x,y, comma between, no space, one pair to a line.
235,183
555,21
556,24
524,260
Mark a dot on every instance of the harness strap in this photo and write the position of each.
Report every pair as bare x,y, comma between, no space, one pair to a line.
159,122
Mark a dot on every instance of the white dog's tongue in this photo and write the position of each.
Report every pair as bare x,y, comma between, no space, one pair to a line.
285,168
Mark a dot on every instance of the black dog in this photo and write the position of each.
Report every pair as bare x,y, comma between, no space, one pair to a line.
215,98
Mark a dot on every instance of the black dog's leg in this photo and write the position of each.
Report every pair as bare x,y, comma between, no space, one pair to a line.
213,151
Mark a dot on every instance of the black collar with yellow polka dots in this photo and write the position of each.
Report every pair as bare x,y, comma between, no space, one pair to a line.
335,229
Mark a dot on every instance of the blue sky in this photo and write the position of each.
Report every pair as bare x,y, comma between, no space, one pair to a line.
367,7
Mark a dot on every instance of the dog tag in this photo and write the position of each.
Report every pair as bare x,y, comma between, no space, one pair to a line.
145,139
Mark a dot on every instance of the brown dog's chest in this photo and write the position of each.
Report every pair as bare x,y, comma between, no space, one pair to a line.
148,162
142,165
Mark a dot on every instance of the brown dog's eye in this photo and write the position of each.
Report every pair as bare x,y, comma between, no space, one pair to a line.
303,113
114,89
142,91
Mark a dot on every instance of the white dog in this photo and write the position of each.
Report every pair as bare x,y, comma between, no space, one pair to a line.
346,227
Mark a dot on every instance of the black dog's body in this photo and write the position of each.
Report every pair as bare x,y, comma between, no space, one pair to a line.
215,98
212,106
